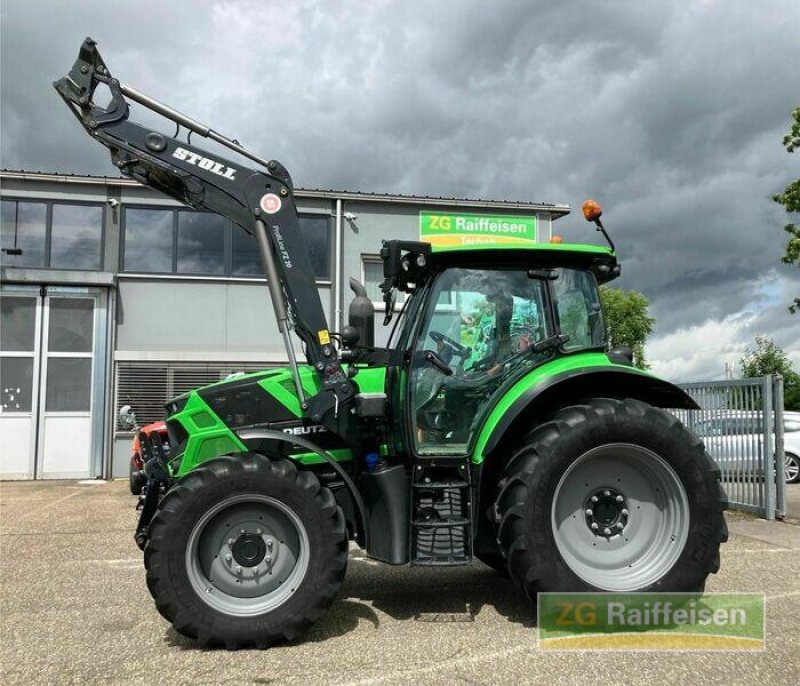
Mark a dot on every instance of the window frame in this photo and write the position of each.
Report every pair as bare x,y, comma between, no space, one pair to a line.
48,230
227,246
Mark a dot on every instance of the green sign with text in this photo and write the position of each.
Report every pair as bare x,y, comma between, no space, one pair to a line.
450,231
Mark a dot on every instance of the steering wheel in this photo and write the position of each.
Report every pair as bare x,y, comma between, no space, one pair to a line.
455,347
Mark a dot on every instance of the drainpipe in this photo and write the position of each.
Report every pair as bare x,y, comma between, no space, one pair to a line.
337,277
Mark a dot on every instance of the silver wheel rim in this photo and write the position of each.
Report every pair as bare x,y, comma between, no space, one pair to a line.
247,555
791,468
638,543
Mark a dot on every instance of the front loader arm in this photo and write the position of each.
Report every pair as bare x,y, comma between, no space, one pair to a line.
259,201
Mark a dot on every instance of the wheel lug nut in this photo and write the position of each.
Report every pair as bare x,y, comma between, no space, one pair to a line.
238,570
228,558
268,559
230,541
241,531
624,513
589,512
620,499
620,526
594,498
607,531
258,531
594,526
270,544
606,493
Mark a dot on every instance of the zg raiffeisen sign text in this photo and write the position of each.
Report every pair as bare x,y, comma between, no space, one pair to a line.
445,231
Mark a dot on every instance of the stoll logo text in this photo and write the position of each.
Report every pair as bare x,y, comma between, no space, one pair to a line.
651,621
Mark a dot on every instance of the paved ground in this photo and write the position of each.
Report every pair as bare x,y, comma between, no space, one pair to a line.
793,502
75,610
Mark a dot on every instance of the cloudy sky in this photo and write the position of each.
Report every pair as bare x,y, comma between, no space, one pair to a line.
670,113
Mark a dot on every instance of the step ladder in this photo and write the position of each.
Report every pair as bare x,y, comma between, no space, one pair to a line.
441,512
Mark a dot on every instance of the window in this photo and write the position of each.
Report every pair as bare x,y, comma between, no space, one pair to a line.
48,234
148,240
316,231
167,241
577,304
17,345
372,278
317,236
245,259
791,426
24,228
76,237
201,243
483,326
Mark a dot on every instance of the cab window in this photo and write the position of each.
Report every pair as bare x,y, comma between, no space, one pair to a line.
483,324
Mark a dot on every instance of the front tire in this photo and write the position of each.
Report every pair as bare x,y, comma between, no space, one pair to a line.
611,496
246,551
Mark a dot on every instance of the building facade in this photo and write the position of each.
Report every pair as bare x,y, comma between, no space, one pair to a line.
114,295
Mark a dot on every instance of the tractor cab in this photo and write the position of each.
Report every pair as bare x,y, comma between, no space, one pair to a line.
477,320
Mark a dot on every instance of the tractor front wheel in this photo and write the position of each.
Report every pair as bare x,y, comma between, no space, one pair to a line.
246,551
611,496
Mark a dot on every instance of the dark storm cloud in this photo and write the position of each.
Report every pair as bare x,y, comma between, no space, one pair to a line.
669,113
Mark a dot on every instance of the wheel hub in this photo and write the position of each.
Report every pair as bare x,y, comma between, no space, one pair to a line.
606,512
249,550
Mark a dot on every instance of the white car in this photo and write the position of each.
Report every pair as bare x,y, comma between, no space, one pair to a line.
734,439
791,445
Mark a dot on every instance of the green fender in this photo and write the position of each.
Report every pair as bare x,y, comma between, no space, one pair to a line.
568,380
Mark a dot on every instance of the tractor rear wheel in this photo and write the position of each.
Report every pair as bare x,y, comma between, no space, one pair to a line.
612,495
246,551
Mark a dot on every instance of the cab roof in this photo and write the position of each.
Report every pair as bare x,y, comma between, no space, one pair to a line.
599,259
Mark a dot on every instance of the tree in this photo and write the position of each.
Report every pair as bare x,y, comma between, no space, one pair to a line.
790,199
768,358
627,320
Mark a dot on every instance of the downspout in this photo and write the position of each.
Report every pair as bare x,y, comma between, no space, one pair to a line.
110,419
337,277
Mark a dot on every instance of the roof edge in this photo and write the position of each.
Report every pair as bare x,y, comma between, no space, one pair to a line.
353,196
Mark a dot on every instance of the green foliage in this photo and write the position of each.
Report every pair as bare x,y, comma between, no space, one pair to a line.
627,320
768,358
790,199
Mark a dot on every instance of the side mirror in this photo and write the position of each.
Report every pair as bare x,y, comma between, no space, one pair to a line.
127,418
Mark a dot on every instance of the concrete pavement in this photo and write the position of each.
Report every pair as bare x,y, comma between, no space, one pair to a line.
75,609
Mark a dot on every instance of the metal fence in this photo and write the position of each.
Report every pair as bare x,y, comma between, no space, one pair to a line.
741,424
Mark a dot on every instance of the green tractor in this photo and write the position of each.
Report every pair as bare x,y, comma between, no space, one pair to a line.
495,425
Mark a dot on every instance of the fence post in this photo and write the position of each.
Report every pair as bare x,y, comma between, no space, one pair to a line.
768,456
780,450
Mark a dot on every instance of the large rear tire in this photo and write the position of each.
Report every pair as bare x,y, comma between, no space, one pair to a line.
246,551
611,496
